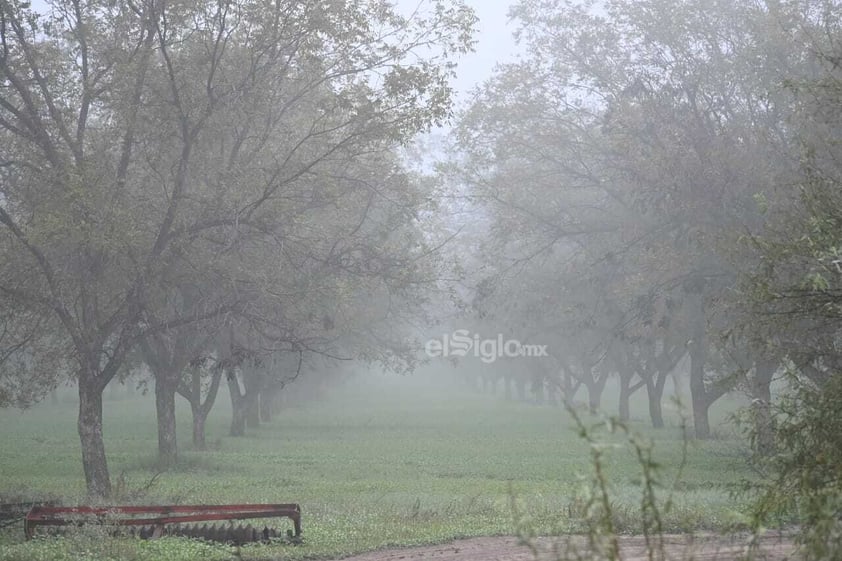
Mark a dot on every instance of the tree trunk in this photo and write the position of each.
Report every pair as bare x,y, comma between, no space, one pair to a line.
595,389
165,408
520,386
268,400
701,422
568,385
655,393
761,393
624,410
89,425
200,409
253,384
698,356
253,410
238,406
538,389
625,395
489,384
199,418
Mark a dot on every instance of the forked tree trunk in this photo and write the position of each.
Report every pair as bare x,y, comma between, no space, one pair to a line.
199,409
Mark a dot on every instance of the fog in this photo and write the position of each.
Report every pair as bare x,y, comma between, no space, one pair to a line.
230,209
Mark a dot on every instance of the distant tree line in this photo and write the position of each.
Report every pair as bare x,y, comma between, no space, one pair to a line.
656,182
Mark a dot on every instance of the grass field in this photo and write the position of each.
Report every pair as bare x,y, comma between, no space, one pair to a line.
391,463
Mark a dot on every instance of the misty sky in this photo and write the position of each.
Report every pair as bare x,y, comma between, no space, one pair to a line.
494,43
494,40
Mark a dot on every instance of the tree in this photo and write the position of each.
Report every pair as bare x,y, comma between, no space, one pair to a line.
136,133
790,293
168,354
640,133
200,391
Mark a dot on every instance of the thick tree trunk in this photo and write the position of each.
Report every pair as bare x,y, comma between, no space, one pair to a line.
94,461
165,409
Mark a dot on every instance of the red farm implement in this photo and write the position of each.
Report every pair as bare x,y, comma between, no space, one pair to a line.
149,522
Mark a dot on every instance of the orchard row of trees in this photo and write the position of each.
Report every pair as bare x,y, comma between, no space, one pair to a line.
658,181
212,187
216,189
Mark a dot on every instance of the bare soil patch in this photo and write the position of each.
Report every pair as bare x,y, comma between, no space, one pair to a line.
774,547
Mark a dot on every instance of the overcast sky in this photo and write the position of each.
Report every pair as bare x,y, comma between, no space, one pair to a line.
494,40
494,43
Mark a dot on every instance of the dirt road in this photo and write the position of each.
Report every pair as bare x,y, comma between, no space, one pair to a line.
677,547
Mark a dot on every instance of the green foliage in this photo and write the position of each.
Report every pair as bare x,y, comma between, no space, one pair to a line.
598,513
803,480
89,546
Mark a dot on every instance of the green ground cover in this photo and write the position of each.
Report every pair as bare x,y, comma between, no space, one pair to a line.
375,466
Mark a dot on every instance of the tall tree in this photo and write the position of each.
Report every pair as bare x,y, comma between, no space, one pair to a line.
136,132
